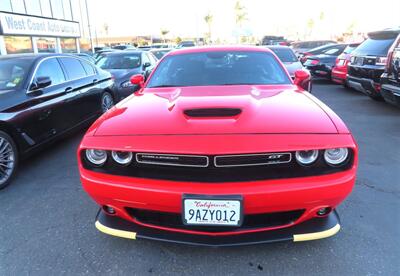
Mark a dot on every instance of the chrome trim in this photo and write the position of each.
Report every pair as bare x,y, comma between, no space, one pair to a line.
256,164
171,164
59,56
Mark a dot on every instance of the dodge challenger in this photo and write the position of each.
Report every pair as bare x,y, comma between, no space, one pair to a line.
219,147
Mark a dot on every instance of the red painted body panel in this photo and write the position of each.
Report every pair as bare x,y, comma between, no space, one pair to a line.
339,72
273,119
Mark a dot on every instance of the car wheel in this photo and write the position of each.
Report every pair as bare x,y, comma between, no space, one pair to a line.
8,159
107,102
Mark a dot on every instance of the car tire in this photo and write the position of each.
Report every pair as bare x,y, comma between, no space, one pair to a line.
8,159
107,101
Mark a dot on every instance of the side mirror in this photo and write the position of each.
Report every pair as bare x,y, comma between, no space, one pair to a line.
137,80
302,78
40,82
146,64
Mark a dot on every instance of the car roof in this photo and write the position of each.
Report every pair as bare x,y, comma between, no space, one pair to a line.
205,49
35,56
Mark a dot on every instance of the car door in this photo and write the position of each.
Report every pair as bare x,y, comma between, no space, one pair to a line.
90,95
45,106
79,83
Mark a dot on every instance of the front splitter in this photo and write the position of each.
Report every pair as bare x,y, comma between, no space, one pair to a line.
313,229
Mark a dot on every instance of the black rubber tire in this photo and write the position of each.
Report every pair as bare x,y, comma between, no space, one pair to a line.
106,94
8,138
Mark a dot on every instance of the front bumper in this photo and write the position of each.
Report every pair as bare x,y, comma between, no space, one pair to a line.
322,70
317,228
366,86
391,93
339,75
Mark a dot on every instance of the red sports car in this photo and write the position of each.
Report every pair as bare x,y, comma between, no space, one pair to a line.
219,147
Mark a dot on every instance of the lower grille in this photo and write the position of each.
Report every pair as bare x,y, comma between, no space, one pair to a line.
254,221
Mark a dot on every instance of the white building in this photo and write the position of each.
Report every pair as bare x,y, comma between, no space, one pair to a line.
40,26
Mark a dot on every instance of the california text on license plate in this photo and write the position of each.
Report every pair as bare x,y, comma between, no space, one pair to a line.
212,211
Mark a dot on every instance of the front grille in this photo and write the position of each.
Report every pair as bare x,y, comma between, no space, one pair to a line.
235,168
253,221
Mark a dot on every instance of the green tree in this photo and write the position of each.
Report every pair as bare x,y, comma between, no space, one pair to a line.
240,14
164,32
310,26
208,19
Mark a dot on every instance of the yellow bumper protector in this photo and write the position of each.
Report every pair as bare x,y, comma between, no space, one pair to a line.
115,232
317,235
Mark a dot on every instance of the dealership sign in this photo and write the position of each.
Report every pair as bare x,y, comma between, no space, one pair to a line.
13,24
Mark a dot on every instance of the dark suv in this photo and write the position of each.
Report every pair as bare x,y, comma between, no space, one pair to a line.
390,79
368,62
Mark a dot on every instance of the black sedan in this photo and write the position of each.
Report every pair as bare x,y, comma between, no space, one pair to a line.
123,65
43,97
321,65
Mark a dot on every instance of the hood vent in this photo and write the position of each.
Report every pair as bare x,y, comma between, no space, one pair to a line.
212,112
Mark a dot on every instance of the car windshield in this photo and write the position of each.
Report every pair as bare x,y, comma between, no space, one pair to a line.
350,48
13,73
120,61
159,54
218,68
374,47
285,54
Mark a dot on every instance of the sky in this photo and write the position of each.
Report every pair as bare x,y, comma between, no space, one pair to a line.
185,18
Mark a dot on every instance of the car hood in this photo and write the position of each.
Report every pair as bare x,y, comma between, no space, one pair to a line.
123,73
293,67
263,109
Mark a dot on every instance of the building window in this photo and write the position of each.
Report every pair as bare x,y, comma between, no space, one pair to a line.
33,7
46,8
68,45
84,45
5,5
46,44
18,6
57,8
18,44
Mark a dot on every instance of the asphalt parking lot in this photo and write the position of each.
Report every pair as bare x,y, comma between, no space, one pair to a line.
47,220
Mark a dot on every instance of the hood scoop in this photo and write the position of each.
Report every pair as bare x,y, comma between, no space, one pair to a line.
212,112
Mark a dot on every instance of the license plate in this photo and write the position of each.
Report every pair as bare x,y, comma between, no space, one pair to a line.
212,211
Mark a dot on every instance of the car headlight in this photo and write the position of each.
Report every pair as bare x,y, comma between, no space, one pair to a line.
96,157
127,84
337,156
122,157
306,157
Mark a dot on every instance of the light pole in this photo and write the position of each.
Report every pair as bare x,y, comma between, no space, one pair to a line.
89,27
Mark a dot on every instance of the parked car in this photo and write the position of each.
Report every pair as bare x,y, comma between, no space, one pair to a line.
219,147
124,64
42,98
124,47
87,57
102,53
159,53
144,48
390,79
315,51
301,47
274,40
368,62
321,65
339,71
288,58
185,44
